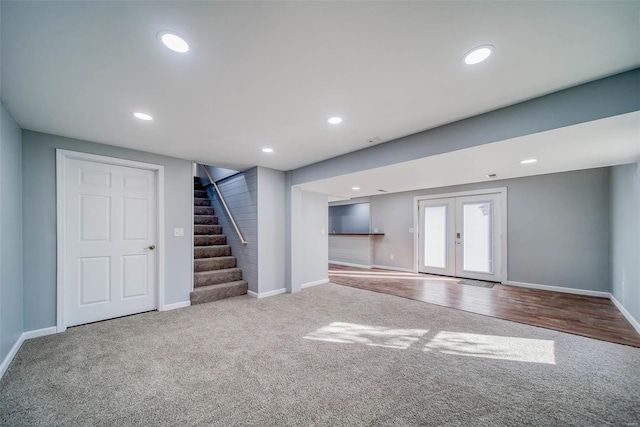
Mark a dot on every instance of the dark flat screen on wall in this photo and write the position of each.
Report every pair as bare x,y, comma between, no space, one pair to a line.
350,218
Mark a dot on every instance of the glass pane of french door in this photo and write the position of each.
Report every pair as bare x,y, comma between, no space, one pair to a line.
478,235
435,232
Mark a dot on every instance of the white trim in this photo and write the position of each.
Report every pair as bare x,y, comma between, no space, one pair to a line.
175,305
505,213
267,294
21,339
11,355
193,217
61,156
349,264
559,289
462,194
39,333
387,267
316,283
625,313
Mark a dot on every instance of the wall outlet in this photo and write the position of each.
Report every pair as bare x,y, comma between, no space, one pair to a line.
375,230
411,230
323,231
178,232
391,256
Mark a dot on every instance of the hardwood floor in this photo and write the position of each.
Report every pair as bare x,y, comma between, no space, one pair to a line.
591,317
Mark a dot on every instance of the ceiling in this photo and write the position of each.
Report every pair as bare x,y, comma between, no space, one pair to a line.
268,74
606,142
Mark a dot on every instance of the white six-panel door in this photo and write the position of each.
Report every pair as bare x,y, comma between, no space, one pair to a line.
110,229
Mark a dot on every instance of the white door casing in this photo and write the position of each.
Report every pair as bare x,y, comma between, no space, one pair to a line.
109,238
482,253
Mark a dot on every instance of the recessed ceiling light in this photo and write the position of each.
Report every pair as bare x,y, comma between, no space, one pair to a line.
173,41
527,161
142,116
267,150
355,188
334,120
478,54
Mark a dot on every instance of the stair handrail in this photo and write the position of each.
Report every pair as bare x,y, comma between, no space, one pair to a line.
226,208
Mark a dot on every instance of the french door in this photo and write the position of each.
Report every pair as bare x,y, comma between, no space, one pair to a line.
462,236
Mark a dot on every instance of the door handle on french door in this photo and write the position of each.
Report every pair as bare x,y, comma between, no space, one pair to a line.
151,247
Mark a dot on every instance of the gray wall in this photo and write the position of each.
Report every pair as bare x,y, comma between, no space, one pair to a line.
11,289
558,228
625,236
271,230
310,243
39,220
353,218
607,97
241,194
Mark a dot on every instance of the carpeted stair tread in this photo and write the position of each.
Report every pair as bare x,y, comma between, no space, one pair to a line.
205,278
203,210
217,292
196,183
210,240
207,229
217,263
216,275
211,251
205,220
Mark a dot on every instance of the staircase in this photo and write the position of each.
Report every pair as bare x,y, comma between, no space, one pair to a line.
216,275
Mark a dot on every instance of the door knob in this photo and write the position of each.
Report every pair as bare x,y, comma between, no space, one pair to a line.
151,247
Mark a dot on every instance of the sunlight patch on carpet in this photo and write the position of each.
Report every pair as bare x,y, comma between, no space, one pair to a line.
376,336
493,347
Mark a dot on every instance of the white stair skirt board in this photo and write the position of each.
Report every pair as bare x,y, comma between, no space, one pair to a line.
16,347
173,306
586,292
349,264
625,313
267,294
316,283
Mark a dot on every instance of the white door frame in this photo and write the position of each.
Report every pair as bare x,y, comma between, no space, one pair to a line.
503,241
61,157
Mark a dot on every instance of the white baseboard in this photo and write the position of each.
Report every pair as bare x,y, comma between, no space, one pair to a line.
559,289
625,313
24,336
369,267
387,267
349,264
12,353
39,333
176,305
267,294
316,283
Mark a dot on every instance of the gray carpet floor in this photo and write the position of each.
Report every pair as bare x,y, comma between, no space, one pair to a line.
330,355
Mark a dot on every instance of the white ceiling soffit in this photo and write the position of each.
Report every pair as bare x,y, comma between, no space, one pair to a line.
605,142
268,74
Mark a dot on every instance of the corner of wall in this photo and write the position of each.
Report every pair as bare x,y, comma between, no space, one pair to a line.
11,238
